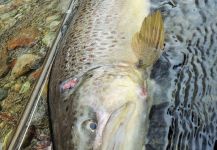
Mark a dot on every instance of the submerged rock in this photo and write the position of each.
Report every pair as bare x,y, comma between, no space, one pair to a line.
3,94
24,64
48,38
36,74
27,37
25,87
52,18
54,25
4,2
3,62
9,84
21,42
17,87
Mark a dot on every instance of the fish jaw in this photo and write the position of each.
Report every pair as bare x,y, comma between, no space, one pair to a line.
115,131
123,129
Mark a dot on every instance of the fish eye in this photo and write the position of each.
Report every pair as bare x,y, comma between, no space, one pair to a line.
91,125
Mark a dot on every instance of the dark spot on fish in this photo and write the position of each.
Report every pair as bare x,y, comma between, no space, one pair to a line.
67,108
112,45
114,41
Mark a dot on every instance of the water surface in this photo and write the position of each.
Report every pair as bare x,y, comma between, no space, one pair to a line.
185,96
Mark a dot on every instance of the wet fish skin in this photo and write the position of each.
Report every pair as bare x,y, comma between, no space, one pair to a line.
97,94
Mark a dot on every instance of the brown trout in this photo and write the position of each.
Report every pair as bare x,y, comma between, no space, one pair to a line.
98,96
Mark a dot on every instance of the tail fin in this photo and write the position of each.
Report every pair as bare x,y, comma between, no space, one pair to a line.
149,41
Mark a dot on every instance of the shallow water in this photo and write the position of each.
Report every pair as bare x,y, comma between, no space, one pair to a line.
24,44
185,98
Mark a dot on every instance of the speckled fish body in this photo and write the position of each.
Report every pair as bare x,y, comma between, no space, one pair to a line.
97,94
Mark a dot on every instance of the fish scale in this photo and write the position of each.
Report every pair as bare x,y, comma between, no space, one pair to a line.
187,103
96,33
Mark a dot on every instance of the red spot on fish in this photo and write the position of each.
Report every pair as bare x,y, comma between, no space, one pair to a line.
144,92
70,84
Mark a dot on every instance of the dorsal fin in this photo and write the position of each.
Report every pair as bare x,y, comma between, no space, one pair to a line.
149,41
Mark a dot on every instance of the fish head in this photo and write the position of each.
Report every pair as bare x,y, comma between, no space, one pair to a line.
111,112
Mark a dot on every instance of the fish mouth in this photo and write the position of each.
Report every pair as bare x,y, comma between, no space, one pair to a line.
119,130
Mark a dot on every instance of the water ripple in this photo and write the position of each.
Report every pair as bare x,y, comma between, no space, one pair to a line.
190,97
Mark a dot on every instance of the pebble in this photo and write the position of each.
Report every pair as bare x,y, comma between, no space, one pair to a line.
53,25
24,64
5,16
7,24
6,139
9,84
25,87
52,18
3,62
63,5
17,87
20,42
3,8
42,52
36,74
26,37
3,94
48,38
1,24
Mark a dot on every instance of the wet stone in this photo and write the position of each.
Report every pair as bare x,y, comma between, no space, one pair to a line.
36,74
26,38
5,16
21,42
24,64
17,87
3,94
53,25
25,87
48,38
9,84
3,62
4,2
52,18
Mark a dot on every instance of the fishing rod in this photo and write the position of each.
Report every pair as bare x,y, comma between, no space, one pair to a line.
25,121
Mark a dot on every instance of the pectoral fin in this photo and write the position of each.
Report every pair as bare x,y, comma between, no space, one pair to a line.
149,41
